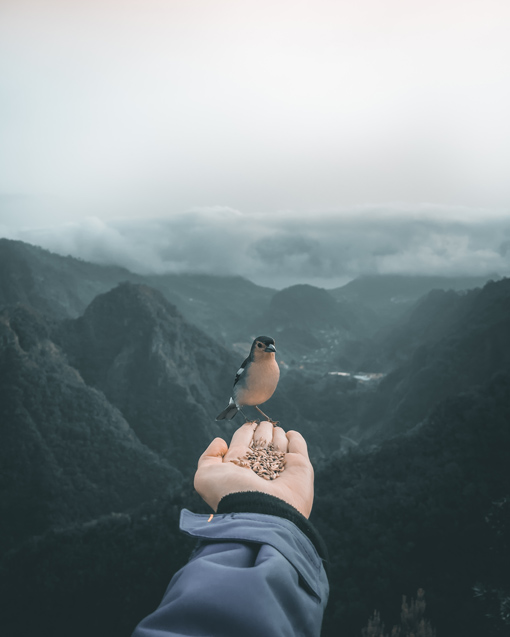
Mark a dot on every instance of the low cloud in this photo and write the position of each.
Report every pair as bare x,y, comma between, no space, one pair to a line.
280,249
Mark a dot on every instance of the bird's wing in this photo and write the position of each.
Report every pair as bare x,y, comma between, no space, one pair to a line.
241,370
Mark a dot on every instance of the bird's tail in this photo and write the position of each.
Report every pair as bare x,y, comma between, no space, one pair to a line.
229,412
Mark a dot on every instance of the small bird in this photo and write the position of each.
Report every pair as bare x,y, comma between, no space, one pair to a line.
255,380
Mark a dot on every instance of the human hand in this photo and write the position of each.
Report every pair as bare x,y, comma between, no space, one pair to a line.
217,475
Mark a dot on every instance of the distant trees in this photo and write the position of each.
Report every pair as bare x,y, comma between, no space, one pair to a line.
412,621
493,593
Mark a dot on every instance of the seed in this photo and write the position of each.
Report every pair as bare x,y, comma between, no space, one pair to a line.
266,461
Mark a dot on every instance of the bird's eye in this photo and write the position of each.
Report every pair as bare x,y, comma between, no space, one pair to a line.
259,345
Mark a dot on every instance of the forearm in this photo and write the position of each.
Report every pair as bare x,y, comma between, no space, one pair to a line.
251,574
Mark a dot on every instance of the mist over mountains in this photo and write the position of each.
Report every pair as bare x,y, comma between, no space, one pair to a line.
109,385
325,248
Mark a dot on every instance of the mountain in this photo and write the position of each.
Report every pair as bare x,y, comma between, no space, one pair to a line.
420,510
427,321
315,334
389,295
424,510
308,321
450,342
473,346
108,392
67,455
221,305
168,379
308,306
63,287
57,286
352,326
304,319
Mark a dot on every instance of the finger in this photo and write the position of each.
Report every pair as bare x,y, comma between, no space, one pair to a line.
214,452
280,440
297,444
264,433
244,435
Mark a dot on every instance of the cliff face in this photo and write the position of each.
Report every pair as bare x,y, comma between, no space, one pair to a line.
67,455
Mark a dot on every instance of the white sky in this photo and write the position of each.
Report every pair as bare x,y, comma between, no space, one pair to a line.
154,108
258,105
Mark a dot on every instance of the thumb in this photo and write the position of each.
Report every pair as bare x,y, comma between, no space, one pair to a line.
214,452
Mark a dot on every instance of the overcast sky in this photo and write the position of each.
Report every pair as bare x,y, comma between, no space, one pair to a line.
321,138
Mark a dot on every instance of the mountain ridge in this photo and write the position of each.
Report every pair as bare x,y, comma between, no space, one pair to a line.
58,439
166,376
98,409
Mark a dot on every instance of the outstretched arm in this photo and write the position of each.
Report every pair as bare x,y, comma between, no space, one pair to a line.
258,567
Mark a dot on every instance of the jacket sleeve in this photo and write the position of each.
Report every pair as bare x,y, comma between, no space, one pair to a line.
251,574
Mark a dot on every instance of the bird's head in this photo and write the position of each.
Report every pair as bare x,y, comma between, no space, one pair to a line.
263,346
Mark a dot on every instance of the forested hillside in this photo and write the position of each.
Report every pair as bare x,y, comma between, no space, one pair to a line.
67,455
108,393
166,376
415,512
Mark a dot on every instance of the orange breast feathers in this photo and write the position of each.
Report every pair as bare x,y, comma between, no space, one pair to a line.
262,379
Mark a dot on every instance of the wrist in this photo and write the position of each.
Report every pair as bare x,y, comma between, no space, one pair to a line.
259,502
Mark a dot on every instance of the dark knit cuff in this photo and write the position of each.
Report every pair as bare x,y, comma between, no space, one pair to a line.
258,502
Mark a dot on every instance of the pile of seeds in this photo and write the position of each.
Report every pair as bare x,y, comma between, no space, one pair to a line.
264,459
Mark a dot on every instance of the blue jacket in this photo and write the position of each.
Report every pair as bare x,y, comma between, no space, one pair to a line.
251,574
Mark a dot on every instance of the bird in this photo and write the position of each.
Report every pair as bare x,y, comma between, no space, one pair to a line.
256,379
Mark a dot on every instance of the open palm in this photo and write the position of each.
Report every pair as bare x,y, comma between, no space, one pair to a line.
218,474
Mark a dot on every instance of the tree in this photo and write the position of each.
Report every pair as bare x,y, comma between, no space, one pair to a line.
412,622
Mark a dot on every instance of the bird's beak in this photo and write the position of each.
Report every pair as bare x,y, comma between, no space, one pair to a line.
270,348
